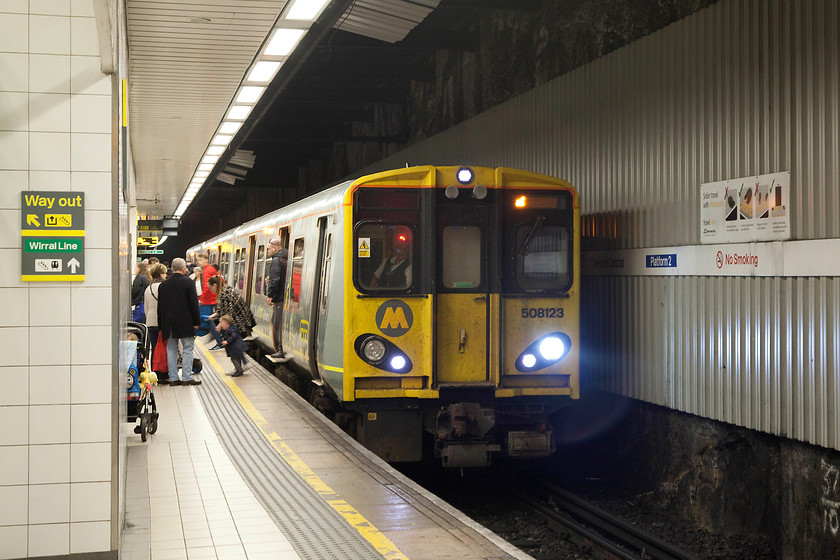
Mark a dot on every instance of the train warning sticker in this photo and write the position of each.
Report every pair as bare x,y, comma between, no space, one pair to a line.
394,318
364,247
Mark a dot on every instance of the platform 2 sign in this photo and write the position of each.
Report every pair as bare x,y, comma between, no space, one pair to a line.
52,236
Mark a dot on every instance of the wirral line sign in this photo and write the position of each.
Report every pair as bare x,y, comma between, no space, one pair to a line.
52,229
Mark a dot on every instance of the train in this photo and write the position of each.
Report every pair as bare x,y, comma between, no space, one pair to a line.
431,311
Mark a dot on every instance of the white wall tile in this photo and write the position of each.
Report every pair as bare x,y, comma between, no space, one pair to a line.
14,466
49,346
17,416
49,35
15,383
14,33
16,342
49,112
15,110
15,500
49,503
90,462
49,180
10,228
49,464
48,384
91,306
49,540
10,276
87,76
49,424
84,38
98,267
49,151
16,6
15,305
90,423
13,183
90,537
49,305
50,7
91,345
49,73
90,152
15,75
81,8
14,148
90,384
97,228
91,113
97,189
14,542
90,501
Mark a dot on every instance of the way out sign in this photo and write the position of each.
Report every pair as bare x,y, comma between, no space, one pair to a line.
52,236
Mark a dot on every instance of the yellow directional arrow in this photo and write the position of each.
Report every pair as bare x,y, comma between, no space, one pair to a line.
32,220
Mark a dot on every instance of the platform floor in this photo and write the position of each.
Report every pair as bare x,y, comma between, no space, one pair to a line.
243,468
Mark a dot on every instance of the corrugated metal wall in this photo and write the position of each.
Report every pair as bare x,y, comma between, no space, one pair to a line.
743,88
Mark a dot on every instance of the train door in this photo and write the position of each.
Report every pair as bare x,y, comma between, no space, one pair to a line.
249,275
463,294
319,294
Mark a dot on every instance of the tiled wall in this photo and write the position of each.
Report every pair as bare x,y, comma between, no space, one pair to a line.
56,366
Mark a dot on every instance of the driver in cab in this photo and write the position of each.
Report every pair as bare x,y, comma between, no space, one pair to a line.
395,271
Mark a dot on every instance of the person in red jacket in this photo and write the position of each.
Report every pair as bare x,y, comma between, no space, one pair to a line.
207,299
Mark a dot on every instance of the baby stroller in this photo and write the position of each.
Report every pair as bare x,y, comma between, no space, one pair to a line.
140,400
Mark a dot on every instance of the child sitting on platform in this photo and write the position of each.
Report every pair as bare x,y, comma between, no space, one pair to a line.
232,342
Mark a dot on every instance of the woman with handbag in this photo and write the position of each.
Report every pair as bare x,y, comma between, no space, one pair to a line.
138,289
229,302
150,301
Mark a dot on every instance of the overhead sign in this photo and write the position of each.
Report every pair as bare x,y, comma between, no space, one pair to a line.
746,209
150,251
52,236
149,228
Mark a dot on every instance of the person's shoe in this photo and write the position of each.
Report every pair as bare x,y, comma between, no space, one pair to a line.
217,347
278,357
192,382
163,381
237,374
176,382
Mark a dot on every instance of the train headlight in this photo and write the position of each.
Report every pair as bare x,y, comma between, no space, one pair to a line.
382,353
373,350
552,348
465,175
543,352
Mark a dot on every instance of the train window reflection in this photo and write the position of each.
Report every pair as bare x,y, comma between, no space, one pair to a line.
543,261
461,254
384,257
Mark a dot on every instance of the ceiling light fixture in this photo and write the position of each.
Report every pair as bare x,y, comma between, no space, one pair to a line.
283,41
263,71
306,10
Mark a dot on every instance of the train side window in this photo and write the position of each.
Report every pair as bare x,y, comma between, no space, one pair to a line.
384,255
542,257
297,271
236,267
240,269
461,252
325,275
260,268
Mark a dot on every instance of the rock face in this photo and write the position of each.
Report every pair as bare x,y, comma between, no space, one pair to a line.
727,480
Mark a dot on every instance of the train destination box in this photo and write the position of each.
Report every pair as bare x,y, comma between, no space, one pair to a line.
52,236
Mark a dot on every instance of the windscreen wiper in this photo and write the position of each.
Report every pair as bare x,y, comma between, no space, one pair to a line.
530,237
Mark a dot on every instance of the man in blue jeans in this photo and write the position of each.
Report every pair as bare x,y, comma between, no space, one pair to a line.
178,317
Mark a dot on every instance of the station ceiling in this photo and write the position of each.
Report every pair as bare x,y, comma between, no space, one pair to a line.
188,57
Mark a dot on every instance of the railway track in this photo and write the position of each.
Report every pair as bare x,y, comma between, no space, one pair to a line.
610,536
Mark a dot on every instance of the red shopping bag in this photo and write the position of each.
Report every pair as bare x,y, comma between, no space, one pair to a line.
159,356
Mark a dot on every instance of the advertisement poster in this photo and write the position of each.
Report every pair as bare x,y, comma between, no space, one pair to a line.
746,209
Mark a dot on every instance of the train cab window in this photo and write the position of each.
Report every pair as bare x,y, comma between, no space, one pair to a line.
260,269
542,258
461,255
384,257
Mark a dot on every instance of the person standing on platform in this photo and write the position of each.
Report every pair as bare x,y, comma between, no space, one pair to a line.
150,302
138,288
207,299
178,316
275,290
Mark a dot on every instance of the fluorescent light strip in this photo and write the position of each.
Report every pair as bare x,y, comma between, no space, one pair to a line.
222,139
229,127
238,112
249,94
283,41
215,150
210,159
205,167
306,9
263,71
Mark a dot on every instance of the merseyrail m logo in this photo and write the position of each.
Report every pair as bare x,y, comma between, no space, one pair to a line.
394,318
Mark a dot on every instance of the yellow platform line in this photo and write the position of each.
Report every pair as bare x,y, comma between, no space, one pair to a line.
374,536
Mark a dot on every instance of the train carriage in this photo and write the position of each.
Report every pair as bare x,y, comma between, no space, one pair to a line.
429,300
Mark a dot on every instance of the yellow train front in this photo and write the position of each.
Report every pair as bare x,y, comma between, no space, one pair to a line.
461,319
